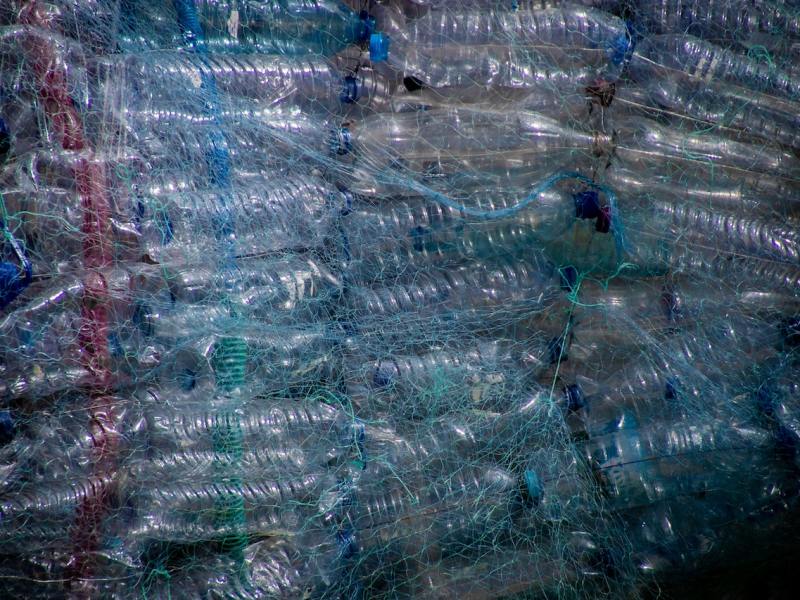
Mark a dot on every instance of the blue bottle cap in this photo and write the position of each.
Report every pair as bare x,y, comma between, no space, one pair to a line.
671,389
621,47
557,350
573,394
350,90
341,141
366,27
569,277
13,278
6,427
378,47
587,204
384,374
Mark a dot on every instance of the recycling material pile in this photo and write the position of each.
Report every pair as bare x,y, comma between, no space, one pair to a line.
405,299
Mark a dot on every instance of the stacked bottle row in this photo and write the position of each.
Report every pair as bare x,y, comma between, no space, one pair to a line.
508,305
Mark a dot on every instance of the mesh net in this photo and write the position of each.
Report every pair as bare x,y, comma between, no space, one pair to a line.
401,299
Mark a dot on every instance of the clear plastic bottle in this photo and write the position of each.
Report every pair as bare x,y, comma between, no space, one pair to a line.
472,502
725,103
274,290
469,289
308,82
275,26
485,377
41,333
280,358
741,21
414,231
641,141
705,61
192,424
198,510
294,213
459,145
642,466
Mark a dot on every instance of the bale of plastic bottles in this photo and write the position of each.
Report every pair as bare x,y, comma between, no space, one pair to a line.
397,298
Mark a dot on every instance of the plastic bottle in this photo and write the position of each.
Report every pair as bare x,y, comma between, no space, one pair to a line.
642,141
469,503
636,469
484,377
197,510
731,232
726,103
705,61
270,289
276,567
469,289
562,26
718,194
415,231
266,216
40,517
473,68
41,332
464,146
276,26
308,82
167,135
59,449
735,20
280,358
194,425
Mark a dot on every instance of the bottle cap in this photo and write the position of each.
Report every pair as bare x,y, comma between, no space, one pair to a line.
671,389
587,204
341,141
350,91
13,279
621,47
533,486
569,278
378,47
366,27
574,398
6,427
